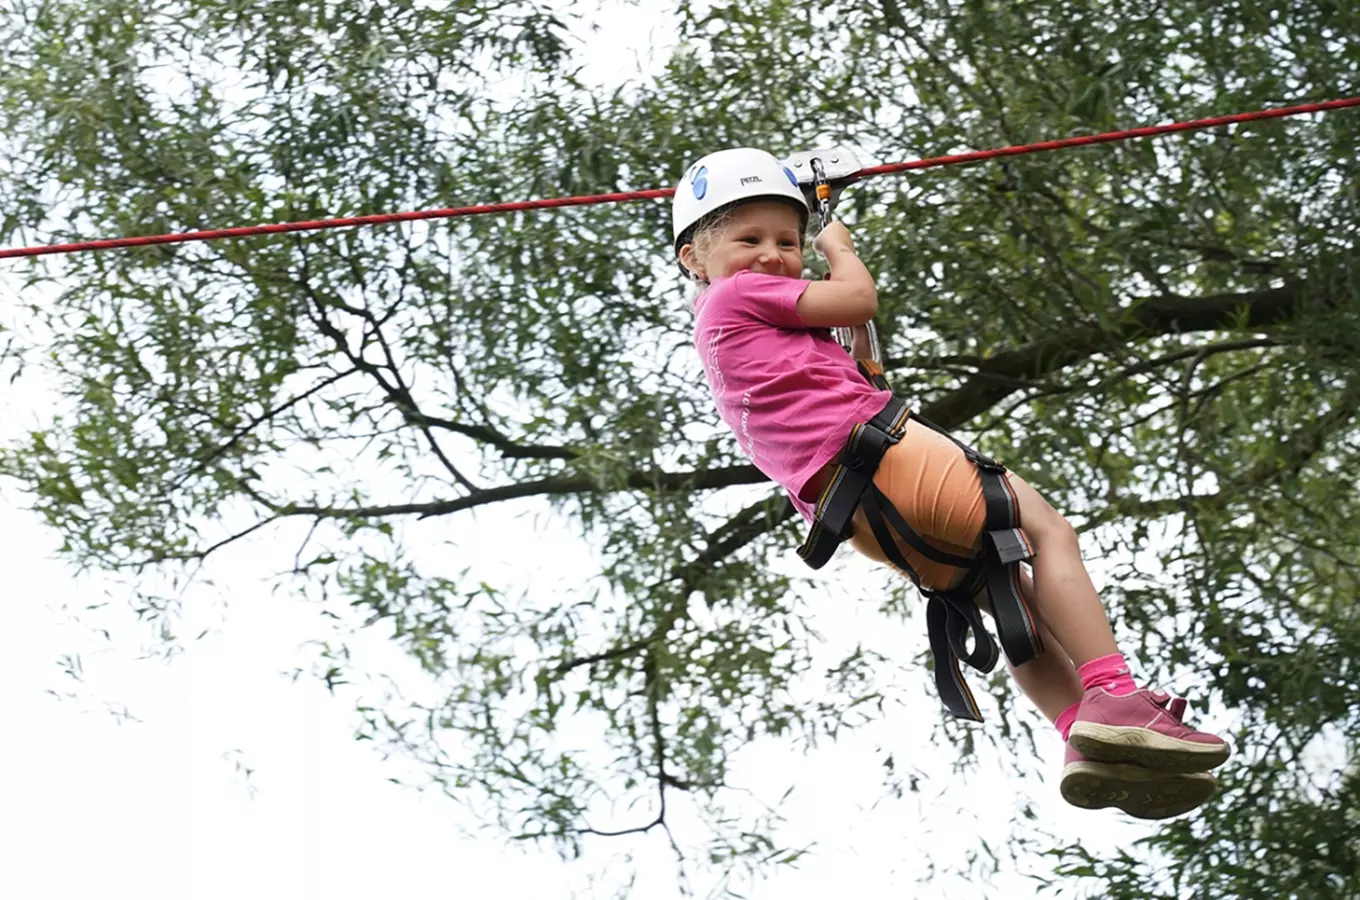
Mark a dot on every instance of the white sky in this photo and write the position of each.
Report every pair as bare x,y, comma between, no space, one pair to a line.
154,808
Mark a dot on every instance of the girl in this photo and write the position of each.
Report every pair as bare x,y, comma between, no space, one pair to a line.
798,406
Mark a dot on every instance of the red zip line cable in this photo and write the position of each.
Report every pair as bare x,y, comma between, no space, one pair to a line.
658,193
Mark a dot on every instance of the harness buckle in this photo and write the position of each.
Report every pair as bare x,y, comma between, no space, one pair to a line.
1011,545
866,447
860,463
987,464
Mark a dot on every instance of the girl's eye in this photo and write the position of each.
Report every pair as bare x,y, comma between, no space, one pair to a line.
750,240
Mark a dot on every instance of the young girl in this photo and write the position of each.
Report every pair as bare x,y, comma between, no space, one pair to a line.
798,406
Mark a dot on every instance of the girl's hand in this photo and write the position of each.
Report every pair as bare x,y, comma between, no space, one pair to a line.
834,237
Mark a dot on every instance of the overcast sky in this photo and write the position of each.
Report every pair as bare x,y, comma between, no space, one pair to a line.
95,805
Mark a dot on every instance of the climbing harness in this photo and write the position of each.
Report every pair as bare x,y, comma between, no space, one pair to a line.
951,614
663,193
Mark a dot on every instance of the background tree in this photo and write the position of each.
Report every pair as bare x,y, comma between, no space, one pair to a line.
1161,336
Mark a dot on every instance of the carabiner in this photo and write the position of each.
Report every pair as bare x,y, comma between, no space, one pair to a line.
823,189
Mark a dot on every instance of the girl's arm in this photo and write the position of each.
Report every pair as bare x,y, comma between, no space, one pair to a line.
848,296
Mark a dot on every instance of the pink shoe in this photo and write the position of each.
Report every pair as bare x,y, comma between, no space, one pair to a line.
1140,792
1143,728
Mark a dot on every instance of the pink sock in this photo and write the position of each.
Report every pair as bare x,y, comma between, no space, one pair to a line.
1066,719
1108,672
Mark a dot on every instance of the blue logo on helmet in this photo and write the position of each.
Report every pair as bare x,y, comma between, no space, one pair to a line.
700,182
793,179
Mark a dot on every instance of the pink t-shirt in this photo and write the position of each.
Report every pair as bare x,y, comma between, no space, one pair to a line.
789,392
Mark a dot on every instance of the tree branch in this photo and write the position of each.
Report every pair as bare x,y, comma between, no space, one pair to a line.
648,480
741,529
663,778
396,389
1305,446
505,444
620,652
267,416
206,551
1154,316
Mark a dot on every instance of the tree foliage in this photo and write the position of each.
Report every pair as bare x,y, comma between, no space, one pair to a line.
1160,335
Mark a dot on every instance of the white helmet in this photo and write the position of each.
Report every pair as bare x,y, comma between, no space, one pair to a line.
720,179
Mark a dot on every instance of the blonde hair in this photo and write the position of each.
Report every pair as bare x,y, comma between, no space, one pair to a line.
706,236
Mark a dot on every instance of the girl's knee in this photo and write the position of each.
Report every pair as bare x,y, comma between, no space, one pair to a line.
1056,531
1044,525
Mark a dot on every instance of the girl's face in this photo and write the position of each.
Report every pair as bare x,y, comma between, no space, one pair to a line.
764,236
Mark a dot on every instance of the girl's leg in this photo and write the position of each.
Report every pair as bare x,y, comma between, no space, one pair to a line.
1081,677
1116,723
1050,680
1063,595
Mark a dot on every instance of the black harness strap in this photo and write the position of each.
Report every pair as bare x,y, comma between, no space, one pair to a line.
952,616
1006,545
850,479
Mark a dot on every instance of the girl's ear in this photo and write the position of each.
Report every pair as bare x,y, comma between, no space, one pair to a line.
691,264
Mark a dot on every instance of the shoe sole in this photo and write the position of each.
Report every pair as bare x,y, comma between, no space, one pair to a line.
1145,747
1142,793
